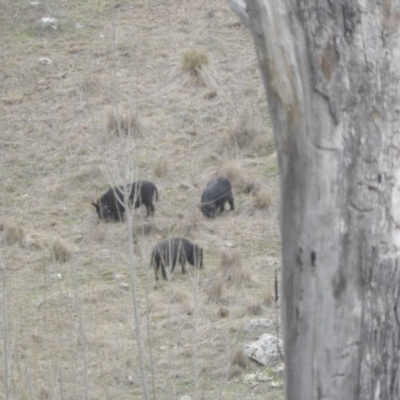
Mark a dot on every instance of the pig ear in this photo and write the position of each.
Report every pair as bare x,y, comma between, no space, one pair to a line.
96,206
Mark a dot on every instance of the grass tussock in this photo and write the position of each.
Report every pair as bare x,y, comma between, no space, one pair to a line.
12,233
240,359
231,170
121,123
215,291
262,199
194,60
250,135
161,168
238,363
60,251
244,133
254,309
231,267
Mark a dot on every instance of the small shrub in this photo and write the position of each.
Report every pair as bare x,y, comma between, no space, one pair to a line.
193,60
60,251
262,199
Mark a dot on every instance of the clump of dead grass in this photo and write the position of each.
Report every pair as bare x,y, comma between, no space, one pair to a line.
238,363
215,291
12,233
254,309
250,134
231,267
240,359
262,199
193,60
121,123
231,170
60,251
160,168
244,133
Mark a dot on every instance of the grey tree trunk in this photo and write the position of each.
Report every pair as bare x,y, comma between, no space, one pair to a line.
331,70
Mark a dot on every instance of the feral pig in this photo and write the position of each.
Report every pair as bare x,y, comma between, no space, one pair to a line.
214,196
110,206
170,251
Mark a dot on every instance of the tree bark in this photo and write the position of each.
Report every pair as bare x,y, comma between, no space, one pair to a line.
331,71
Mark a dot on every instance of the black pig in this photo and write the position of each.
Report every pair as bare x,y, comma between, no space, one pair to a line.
214,196
169,251
110,206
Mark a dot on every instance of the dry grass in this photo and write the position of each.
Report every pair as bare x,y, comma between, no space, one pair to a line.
215,291
161,167
238,363
71,320
249,136
231,267
254,309
244,133
240,359
231,170
60,251
121,123
262,199
12,234
194,60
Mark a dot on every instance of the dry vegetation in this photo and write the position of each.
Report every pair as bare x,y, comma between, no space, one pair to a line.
189,71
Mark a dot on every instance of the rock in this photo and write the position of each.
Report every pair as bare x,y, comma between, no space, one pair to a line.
49,23
264,350
186,397
45,61
259,324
